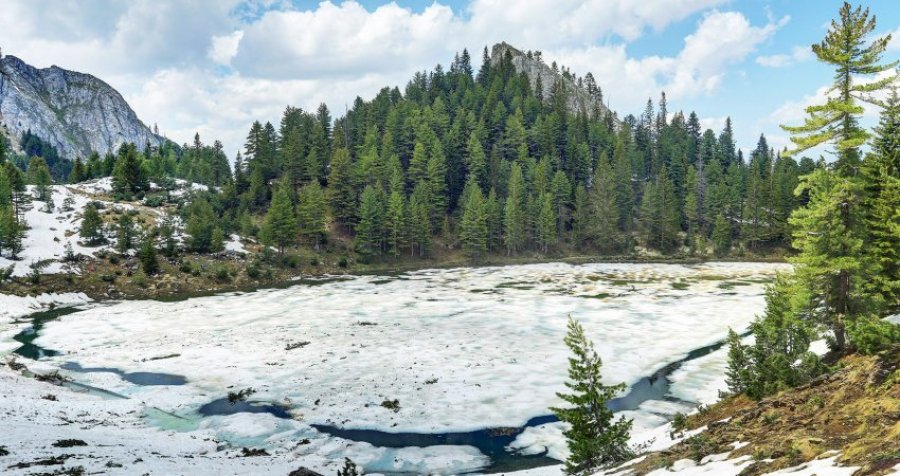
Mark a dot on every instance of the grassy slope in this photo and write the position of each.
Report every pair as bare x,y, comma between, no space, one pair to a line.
854,410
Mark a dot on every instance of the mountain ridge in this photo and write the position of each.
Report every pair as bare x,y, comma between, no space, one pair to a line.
75,112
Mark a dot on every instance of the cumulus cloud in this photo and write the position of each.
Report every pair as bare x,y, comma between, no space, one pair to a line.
720,40
798,54
214,66
224,48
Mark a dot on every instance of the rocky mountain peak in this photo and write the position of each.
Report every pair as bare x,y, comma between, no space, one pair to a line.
582,95
75,112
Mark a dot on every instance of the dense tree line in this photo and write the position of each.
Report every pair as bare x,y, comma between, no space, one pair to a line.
487,163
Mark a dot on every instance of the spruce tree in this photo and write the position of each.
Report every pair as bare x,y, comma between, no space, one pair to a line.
721,235
200,226
148,254
595,439
125,232
78,173
39,176
514,212
11,232
420,220
280,228
396,224
311,209
832,263
546,222
474,229
604,211
881,170
369,230
341,193
91,226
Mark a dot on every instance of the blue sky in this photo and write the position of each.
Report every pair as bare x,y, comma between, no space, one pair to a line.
214,66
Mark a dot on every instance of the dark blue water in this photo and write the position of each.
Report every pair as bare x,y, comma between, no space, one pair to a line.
224,407
29,334
137,378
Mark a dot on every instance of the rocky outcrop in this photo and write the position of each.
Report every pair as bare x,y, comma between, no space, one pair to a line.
75,112
579,98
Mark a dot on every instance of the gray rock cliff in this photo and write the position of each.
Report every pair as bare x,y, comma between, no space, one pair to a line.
75,112
579,97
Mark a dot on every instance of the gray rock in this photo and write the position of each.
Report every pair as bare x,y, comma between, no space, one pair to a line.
578,98
75,112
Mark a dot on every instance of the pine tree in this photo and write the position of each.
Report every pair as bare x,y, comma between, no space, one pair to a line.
369,230
200,226
832,264
311,208
845,48
125,233
39,176
476,160
721,235
420,220
78,173
341,194
546,222
594,438
396,223
91,226
881,170
514,213
603,208
280,228
148,255
474,229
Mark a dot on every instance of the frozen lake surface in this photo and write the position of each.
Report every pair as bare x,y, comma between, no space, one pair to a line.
461,350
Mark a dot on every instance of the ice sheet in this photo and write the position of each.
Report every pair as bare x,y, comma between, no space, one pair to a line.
491,337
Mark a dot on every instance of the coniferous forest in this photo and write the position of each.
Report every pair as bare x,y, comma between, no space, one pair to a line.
487,163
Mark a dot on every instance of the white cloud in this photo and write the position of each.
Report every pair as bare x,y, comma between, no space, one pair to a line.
224,48
798,54
167,57
720,40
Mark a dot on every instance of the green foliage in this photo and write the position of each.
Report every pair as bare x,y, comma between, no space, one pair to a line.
129,177
311,208
721,235
39,176
845,49
474,232
125,232
148,255
280,228
369,238
594,438
779,357
201,227
11,232
833,266
91,226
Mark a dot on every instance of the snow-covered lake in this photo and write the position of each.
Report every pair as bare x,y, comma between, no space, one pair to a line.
461,350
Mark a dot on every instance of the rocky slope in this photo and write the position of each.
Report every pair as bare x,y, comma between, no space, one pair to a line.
850,416
579,98
75,112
